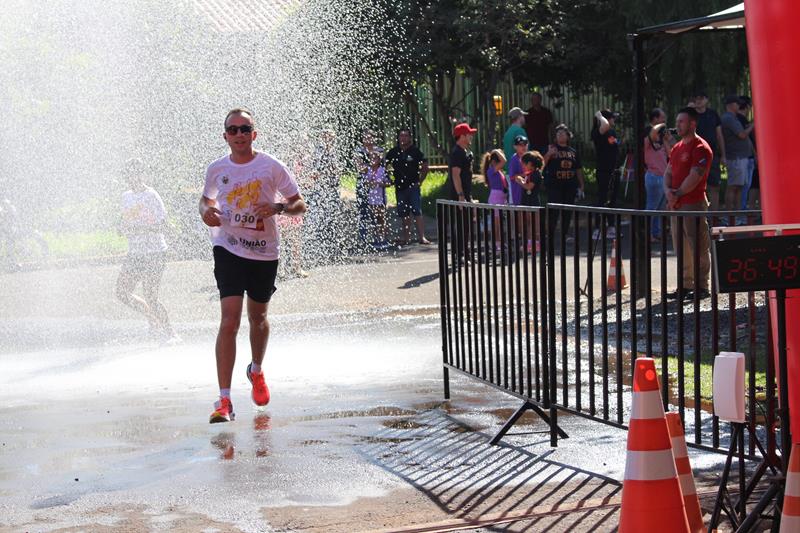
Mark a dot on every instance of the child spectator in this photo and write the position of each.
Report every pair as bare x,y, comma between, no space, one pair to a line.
491,170
375,183
531,183
531,180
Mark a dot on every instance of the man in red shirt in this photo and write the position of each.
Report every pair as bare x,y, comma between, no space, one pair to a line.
685,188
539,125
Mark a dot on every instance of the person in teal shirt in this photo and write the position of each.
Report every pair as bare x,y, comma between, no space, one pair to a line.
517,117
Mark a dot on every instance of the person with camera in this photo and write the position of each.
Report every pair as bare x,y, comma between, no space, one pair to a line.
606,145
657,146
738,150
685,179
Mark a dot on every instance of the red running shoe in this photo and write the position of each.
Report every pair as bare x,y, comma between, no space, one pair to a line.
223,411
260,391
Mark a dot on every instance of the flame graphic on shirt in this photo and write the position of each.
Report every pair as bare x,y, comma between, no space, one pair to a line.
244,195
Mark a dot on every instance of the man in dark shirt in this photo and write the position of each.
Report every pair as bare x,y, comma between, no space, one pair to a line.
606,145
459,168
409,169
459,186
745,104
709,127
539,124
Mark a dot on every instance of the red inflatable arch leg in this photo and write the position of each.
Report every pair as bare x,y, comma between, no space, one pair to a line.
773,40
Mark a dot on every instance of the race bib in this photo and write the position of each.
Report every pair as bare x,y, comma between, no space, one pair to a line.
241,218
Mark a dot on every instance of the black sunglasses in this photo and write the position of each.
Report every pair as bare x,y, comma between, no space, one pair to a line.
233,130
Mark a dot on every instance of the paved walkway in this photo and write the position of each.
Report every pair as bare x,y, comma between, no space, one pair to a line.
105,430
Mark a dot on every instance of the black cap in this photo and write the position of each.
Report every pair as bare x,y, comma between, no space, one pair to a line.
608,114
745,101
520,139
731,99
700,92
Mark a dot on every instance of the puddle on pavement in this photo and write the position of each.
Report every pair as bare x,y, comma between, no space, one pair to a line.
445,406
374,439
312,442
402,423
375,411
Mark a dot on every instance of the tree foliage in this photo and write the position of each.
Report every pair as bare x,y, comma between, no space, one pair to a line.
581,44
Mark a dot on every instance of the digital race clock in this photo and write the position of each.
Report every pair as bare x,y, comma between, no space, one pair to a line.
756,264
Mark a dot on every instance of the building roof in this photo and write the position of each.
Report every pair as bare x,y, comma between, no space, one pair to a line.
237,16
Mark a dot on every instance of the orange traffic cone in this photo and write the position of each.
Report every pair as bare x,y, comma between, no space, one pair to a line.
790,518
681,454
651,492
611,281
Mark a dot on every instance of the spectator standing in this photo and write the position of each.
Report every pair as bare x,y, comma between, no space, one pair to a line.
362,160
539,124
410,168
459,182
531,180
516,170
563,172
492,171
517,118
657,146
685,181
375,183
531,183
709,127
606,145
738,151
745,106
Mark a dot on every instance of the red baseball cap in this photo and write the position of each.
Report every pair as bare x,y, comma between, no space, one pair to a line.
463,129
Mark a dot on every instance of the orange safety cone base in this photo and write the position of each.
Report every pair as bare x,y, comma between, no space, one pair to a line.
790,517
652,500
654,506
690,499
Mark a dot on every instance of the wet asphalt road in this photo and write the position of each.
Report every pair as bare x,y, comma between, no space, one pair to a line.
105,430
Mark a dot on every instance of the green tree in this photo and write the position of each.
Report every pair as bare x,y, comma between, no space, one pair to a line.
484,40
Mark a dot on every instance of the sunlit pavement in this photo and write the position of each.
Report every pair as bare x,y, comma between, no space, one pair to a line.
104,430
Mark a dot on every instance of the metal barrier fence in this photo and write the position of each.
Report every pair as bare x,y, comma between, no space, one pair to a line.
531,306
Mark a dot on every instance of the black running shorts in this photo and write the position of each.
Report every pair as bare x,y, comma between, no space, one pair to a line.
235,275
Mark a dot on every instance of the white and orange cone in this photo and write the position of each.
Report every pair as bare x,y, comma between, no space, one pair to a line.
611,279
790,518
651,492
681,453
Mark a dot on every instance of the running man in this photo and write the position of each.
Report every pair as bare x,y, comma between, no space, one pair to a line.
240,204
143,222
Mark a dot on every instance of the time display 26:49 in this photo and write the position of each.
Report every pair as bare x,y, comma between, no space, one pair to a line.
753,269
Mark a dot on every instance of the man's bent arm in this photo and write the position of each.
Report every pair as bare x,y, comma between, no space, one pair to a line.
424,172
204,204
295,205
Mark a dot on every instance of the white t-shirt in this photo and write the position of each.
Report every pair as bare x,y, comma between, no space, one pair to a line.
238,189
143,213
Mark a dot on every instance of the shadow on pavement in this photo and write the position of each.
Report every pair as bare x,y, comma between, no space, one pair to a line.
457,469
